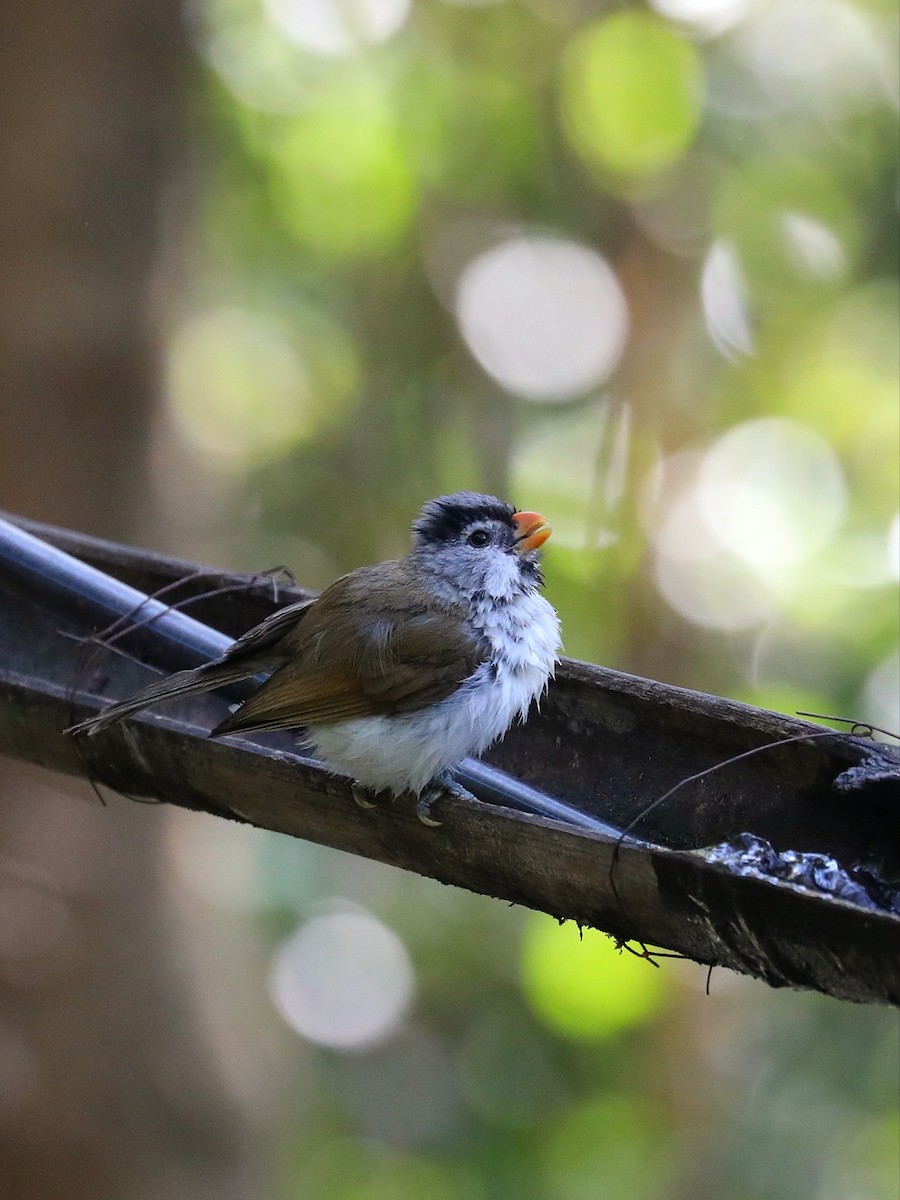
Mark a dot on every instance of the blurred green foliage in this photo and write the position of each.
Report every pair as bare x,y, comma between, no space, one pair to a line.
735,163
632,93
580,984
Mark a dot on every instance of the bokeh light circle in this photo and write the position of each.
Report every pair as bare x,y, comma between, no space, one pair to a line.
343,980
810,54
579,983
342,179
723,294
815,250
697,577
893,548
336,28
632,93
772,491
709,17
715,591
545,317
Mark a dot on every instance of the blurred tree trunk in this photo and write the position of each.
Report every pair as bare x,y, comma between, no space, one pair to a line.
107,1086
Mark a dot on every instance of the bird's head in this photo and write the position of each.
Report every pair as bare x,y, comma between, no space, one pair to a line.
477,544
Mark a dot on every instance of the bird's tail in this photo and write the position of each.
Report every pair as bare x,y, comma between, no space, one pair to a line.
184,683
259,651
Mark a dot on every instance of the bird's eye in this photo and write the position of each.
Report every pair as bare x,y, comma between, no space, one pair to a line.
478,538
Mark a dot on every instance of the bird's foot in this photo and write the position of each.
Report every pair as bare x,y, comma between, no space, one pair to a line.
442,787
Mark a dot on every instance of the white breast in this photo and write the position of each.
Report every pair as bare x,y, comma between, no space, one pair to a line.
405,752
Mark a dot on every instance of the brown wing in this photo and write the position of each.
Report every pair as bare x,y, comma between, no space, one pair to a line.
374,644
270,636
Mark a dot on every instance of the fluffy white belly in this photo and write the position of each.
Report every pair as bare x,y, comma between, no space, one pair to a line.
404,752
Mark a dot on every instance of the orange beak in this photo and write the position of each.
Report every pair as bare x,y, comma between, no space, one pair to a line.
532,531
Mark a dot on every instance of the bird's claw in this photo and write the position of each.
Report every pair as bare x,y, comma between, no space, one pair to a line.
365,797
442,787
423,808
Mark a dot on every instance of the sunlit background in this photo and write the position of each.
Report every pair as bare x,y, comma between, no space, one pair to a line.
636,268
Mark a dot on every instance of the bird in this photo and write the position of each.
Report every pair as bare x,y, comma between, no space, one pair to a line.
398,670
